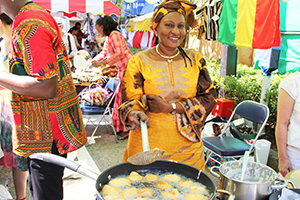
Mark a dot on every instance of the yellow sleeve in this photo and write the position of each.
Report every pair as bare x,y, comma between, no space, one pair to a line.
132,90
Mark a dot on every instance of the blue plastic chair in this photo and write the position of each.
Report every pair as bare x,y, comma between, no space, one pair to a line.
229,147
102,111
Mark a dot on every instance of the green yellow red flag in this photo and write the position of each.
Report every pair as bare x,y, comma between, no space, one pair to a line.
250,23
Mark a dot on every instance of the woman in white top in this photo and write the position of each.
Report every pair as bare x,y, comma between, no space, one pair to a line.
288,124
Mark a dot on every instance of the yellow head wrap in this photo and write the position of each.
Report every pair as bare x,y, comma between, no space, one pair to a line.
181,6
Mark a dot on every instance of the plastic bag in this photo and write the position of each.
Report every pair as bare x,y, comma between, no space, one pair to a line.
94,96
287,194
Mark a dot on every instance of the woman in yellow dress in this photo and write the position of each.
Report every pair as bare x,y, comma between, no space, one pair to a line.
169,88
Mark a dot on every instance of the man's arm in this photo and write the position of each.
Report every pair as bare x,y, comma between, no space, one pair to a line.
29,86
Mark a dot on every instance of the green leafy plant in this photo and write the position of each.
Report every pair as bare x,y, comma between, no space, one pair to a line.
247,85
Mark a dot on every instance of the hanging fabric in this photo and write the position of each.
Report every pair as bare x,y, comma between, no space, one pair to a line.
212,18
202,26
209,15
250,23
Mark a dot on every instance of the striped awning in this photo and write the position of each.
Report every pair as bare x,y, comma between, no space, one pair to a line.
82,6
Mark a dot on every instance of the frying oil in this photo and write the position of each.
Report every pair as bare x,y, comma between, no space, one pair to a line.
157,192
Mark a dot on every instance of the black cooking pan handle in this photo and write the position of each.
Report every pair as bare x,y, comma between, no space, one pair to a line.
63,162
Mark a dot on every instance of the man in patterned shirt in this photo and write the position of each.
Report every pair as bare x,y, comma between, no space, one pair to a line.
45,105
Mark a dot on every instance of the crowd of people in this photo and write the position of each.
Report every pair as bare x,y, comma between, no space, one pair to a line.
165,84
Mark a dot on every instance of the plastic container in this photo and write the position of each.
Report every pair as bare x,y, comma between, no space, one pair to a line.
223,108
262,150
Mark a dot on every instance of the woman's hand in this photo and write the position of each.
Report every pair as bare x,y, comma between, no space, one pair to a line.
284,166
97,64
157,104
135,116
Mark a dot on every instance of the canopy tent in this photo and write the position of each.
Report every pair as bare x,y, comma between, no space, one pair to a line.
139,7
82,6
141,23
140,34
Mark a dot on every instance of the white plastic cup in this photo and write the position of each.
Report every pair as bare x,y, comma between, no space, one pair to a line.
262,150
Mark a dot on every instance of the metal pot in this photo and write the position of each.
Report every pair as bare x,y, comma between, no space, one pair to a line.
258,181
127,168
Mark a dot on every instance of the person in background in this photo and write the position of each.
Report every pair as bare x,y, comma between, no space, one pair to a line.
80,35
69,42
170,89
115,52
45,106
18,163
287,126
73,31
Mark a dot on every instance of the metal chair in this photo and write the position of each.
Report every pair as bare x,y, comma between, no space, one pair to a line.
102,111
226,147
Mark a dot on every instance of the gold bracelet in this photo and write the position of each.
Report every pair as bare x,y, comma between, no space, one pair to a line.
174,108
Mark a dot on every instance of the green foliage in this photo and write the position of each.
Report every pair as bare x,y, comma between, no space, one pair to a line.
247,85
135,50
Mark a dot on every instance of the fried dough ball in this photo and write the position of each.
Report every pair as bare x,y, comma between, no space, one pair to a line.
171,178
113,197
120,182
194,196
130,192
134,176
171,195
110,190
151,178
162,185
145,192
199,189
183,183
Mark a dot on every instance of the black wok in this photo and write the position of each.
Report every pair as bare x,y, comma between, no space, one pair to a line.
126,168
